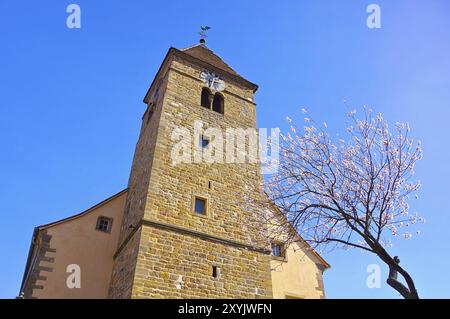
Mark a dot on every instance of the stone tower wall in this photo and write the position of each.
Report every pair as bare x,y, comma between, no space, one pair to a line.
172,250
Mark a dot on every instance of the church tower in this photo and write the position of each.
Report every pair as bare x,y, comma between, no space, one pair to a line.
184,232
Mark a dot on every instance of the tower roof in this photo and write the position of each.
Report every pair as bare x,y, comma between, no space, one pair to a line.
202,52
201,55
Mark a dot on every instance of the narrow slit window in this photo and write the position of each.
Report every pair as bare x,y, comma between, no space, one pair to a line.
215,272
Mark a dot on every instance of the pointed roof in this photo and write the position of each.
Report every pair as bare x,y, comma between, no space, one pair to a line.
202,52
201,55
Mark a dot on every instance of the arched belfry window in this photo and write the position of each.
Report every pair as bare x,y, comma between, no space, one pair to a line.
206,98
213,102
218,103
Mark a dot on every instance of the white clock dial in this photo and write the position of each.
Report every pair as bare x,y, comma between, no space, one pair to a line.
213,81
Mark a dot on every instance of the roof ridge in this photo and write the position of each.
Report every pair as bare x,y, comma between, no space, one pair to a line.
192,46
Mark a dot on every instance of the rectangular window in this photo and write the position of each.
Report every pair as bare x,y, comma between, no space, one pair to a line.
200,206
277,250
104,224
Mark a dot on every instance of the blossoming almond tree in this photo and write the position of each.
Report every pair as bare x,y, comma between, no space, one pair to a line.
349,193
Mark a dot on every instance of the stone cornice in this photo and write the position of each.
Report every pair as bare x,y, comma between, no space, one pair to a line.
193,233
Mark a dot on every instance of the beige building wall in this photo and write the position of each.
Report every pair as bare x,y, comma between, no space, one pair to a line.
75,241
298,275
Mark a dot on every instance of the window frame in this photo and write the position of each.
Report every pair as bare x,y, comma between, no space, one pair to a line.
109,226
206,208
282,249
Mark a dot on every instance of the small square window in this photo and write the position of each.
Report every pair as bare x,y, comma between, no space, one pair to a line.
200,206
104,224
203,142
277,250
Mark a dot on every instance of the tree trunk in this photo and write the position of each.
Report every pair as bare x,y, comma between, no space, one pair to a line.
409,292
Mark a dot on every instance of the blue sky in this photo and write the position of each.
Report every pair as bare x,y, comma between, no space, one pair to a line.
71,103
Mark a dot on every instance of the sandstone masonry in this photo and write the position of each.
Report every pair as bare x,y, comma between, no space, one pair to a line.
165,249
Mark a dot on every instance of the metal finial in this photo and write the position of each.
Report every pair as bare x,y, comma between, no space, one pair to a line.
202,33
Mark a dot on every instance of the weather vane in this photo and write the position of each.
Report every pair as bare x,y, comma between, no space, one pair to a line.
202,33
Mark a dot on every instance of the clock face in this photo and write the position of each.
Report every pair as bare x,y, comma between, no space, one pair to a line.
213,81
